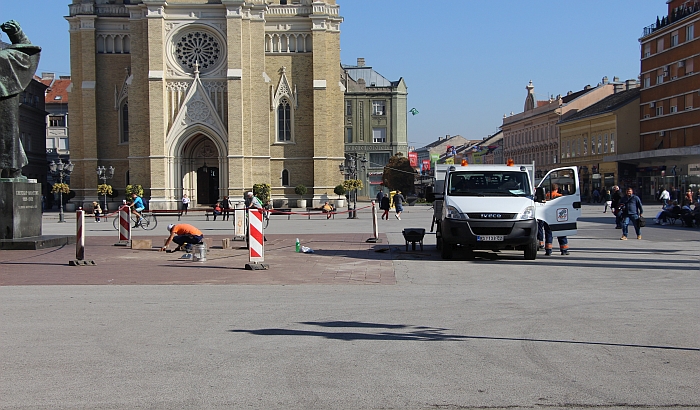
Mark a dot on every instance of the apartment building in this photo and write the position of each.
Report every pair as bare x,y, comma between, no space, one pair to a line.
669,106
533,136
375,122
56,103
588,137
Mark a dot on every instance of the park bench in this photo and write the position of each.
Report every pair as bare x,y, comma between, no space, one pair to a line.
315,211
167,212
282,211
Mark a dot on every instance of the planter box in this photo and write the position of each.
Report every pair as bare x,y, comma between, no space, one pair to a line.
301,203
339,203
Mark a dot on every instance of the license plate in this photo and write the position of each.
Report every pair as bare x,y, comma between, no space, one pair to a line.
489,238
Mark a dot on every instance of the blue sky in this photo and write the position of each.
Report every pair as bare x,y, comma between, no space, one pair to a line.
465,62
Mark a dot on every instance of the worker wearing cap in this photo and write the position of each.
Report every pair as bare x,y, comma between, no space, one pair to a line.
183,234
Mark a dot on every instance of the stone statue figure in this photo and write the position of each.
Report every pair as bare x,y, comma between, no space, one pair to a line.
18,62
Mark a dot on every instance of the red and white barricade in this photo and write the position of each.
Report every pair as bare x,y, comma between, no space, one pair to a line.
124,225
256,238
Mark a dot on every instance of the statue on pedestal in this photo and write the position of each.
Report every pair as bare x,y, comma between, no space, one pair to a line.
18,63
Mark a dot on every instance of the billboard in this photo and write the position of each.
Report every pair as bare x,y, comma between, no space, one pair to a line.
413,159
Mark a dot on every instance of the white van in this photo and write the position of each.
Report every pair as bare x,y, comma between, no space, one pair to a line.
495,207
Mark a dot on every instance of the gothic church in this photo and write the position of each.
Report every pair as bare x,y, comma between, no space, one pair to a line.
206,97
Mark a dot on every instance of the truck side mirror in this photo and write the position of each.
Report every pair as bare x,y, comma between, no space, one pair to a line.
429,194
539,194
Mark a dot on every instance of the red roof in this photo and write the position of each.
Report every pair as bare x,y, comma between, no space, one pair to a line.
57,92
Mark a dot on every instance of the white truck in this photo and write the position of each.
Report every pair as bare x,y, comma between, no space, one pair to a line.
495,207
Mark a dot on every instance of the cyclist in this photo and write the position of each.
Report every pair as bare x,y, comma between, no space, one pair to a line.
137,207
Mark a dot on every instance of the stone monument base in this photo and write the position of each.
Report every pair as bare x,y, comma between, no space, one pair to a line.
20,209
36,242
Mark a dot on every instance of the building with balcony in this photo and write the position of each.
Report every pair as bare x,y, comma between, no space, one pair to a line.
206,98
669,102
533,136
56,103
375,122
588,137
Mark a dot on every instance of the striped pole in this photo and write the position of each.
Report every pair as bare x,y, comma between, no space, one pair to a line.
124,225
375,227
80,235
255,236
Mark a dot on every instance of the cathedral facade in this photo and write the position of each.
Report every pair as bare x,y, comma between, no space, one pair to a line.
206,97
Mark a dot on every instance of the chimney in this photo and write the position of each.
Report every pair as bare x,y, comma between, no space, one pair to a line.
360,62
48,76
630,84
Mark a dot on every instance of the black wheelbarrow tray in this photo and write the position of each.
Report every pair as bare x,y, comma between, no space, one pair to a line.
413,235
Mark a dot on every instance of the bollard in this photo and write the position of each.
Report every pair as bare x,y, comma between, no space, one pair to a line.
256,242
80,240
79,234
375,226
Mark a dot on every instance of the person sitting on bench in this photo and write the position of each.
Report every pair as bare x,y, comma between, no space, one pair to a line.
327,208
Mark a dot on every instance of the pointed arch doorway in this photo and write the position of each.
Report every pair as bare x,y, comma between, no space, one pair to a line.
201,173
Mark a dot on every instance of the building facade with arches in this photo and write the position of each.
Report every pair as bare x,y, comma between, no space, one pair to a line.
206,98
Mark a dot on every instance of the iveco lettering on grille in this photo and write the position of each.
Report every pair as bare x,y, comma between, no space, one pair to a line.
492,216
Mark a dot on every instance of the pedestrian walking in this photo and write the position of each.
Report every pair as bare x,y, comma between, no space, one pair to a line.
380,195
97,210
385,206
632,210
664,197
608,201
615,204
398,204
185,203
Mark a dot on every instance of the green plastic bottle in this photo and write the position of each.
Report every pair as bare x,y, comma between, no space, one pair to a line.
298,245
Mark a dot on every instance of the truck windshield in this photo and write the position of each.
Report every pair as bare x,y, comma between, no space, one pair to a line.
488,183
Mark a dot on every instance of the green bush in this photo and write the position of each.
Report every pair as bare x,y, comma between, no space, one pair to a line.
262,191
300,190
133,189
339,190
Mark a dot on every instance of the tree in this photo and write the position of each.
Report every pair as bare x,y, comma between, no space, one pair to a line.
262,191
399,174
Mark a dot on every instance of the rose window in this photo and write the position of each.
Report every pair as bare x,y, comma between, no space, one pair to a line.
197,47
198,111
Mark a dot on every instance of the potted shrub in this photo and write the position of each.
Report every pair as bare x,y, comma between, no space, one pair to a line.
301,191
340,191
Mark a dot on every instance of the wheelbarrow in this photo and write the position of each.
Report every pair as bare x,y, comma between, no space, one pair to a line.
413,235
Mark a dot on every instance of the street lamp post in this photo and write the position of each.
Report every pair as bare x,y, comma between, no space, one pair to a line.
61,170
104,174
350,169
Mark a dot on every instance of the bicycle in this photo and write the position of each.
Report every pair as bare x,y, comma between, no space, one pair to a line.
147,223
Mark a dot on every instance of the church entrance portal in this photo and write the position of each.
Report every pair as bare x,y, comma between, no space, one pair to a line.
207,185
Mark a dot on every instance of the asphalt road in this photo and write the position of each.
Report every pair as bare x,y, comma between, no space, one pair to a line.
613,325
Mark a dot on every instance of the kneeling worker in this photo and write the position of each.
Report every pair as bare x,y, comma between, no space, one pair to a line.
183,234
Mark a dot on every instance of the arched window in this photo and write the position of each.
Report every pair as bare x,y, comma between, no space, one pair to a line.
124,122
284,121
285,177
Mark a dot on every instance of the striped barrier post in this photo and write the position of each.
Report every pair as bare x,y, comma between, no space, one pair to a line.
124,226
256,240
80,240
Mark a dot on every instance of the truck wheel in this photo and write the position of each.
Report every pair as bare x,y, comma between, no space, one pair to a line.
531,251
446,250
